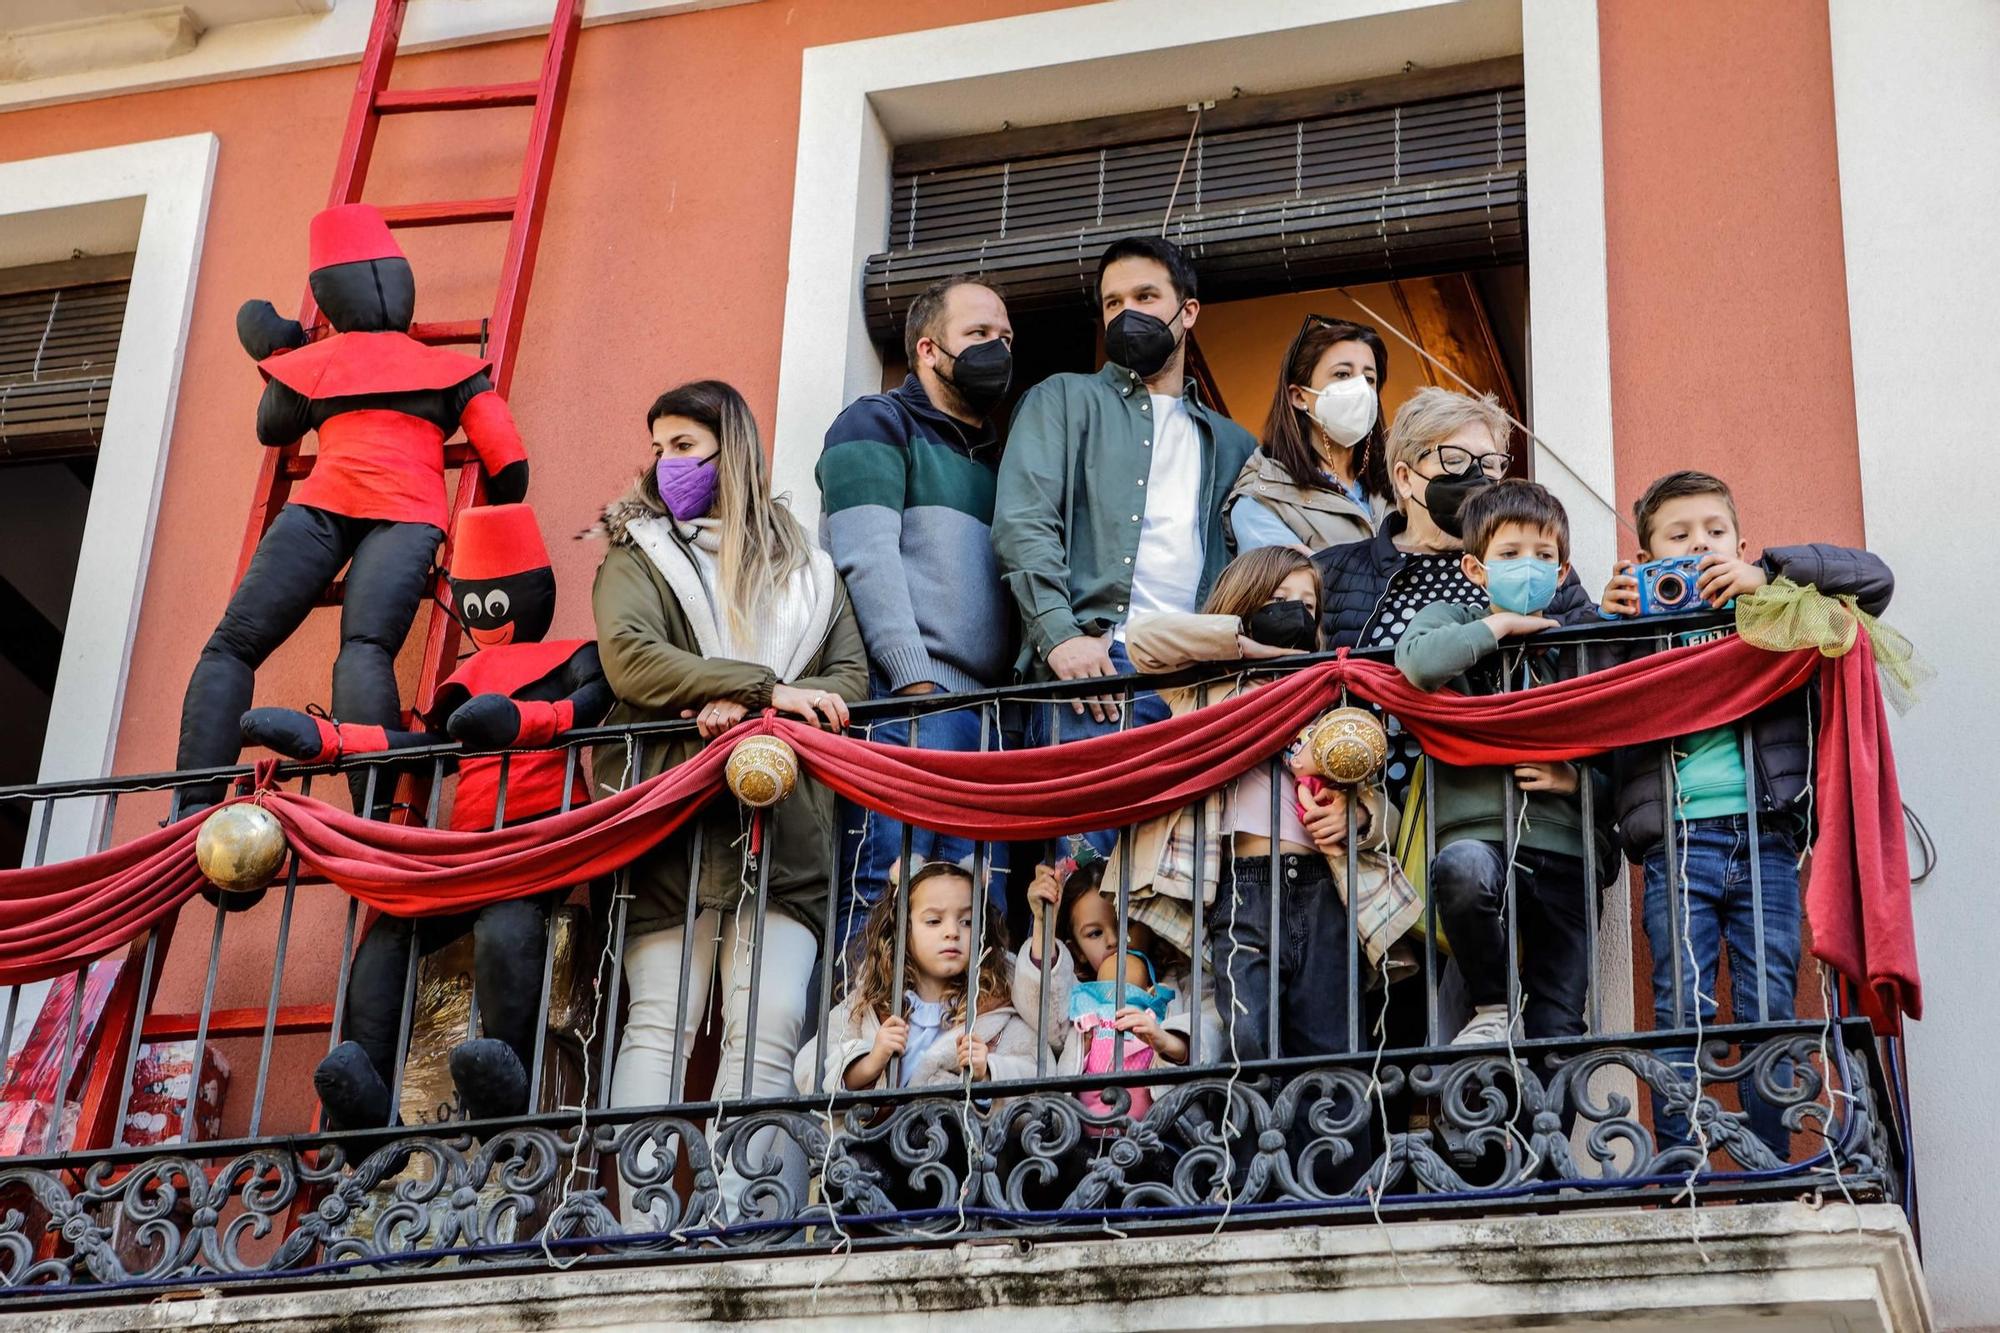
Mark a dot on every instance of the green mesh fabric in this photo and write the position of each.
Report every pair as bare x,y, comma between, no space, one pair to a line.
1785,616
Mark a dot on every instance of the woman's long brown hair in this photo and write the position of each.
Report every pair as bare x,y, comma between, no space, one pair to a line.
873,990
1289,432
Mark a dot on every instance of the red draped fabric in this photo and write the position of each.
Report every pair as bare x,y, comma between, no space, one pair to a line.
1858,900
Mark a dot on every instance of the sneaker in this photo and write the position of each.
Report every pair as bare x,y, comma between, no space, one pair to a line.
1489,1024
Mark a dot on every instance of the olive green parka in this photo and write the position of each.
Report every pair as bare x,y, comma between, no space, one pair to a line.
656,668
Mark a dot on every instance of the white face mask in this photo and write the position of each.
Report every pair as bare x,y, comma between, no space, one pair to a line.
1345,409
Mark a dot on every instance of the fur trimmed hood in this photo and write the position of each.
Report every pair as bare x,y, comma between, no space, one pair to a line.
615,521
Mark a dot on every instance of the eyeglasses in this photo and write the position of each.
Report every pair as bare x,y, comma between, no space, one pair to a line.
1457,461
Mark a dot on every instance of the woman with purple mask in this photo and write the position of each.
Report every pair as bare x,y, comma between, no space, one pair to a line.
712,605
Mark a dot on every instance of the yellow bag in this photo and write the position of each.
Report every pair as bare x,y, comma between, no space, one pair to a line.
1410,851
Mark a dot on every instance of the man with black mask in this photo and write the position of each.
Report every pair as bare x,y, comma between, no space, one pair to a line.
906,482
1111,492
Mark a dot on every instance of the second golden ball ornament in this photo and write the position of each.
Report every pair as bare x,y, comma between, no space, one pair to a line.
241,848
762,770
1348,745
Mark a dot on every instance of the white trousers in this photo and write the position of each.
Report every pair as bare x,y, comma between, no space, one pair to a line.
644,1072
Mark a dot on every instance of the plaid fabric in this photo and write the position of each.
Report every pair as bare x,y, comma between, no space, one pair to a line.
1164,898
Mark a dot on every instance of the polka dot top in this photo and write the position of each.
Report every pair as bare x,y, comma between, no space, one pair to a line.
1421,580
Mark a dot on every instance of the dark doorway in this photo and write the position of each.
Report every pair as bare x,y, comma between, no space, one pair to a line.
59,326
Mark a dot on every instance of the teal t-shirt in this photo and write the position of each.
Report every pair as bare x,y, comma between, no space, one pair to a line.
1708,766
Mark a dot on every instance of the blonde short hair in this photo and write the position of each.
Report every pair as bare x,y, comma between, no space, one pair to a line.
1430,416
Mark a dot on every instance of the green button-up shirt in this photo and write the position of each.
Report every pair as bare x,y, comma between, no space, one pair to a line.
1079,453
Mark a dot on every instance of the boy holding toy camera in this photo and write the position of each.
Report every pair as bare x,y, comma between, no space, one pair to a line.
1692,516
1517,548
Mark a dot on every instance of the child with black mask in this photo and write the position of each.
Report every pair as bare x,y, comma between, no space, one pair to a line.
1265,606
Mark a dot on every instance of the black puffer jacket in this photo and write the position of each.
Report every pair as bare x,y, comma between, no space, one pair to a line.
1779,730
1355,579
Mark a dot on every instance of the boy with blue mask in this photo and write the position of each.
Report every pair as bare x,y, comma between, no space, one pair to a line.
1517,548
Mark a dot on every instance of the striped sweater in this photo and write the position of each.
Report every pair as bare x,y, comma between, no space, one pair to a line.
907,504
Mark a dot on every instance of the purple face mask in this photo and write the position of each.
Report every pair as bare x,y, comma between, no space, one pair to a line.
687,485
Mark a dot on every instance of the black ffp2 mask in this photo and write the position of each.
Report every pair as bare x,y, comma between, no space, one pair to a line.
980,373
1445,497
1140,342
1284,625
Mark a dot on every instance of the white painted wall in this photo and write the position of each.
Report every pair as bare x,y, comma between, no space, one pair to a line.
1917,110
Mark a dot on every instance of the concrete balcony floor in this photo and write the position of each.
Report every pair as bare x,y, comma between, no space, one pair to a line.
1777,1268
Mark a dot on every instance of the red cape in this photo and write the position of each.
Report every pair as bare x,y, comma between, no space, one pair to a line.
502,670
348,364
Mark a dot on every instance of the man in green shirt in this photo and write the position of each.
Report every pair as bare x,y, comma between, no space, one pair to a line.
1110,492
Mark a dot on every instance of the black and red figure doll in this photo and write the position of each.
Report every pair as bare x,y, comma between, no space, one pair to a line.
383,405
515,691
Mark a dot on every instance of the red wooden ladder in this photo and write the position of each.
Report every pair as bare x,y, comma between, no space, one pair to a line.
499,334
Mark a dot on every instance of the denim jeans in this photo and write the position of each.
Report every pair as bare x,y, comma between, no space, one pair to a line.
1719,908
871,843
1311,954
1470,879
1059,724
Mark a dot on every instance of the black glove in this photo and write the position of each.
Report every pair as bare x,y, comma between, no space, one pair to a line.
262,330
485,721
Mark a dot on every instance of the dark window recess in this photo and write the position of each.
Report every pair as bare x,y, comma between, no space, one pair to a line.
1420,187
58,347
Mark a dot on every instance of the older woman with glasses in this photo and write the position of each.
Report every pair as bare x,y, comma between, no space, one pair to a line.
1442,447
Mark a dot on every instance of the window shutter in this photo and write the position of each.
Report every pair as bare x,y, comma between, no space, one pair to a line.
1390,191
58,347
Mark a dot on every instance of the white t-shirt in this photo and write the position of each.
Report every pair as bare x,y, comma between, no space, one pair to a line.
1166,575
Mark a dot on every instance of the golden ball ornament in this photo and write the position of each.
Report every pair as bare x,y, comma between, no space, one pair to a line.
241,848
762,770
1348,745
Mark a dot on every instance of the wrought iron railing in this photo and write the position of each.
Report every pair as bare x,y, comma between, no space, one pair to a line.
119,1179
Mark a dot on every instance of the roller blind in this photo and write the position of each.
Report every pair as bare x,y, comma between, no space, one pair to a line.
1307,201
58,347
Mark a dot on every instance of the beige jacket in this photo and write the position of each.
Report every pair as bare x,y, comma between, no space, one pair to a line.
1320,516
850,1034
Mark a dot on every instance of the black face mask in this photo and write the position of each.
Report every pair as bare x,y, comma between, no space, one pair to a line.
1140,342
1284,625
1445,497
980,372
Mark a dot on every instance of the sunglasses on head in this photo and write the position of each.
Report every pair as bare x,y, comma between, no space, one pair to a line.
1312,322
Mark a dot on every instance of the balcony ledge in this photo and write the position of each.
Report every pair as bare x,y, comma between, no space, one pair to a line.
1783,1267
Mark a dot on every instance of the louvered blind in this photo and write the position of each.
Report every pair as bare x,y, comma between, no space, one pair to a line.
58,347
1396,191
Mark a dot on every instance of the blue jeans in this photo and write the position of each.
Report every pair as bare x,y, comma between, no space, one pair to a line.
1059,724
871,842
1716,882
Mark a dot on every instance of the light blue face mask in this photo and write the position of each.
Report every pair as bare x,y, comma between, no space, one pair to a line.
1522,584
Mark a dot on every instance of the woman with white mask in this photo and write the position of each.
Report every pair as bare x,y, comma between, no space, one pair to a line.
1318,479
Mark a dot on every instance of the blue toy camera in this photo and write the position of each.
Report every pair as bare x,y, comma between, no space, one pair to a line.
1667,587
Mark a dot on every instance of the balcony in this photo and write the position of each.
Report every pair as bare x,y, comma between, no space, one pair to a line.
175,1147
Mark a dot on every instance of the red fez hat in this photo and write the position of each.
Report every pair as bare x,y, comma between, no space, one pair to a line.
496,542
350,233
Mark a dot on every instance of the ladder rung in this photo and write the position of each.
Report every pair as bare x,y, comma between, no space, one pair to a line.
298,467
397,102
447,214
292,1020
449,331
